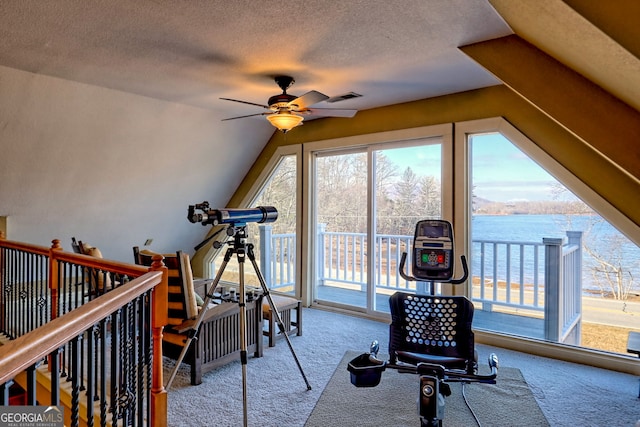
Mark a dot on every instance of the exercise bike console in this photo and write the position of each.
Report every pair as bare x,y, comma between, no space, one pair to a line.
433,250
433,255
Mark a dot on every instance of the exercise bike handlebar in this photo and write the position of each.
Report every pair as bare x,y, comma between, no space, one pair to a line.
405,276
451,375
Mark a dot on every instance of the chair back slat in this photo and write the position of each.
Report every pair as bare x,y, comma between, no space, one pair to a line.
176,298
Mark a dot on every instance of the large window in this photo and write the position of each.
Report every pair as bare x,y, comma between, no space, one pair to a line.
545,265
274,244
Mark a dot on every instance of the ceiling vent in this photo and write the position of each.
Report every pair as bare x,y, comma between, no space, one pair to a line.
344,97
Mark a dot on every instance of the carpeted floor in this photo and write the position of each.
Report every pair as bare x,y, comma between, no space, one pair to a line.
393,402
568,394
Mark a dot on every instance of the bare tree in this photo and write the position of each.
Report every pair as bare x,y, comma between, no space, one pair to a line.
342,192
610,268
406,195
611,272
429,197
280,191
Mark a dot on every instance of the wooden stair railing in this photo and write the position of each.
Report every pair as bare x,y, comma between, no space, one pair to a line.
25,352
66,336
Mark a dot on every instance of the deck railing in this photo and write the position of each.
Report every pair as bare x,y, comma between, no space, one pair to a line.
508,274
543,277
104,350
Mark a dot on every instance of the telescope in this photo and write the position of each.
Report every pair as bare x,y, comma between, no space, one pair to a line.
259,214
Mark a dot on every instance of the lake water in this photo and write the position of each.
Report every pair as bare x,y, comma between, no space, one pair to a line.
597,234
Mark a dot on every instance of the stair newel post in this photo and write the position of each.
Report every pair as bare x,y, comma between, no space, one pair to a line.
54,285
54,276
160,300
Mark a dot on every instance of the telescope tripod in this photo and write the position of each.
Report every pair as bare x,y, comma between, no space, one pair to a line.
243,250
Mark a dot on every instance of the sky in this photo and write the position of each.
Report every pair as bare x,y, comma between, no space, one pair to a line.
501,172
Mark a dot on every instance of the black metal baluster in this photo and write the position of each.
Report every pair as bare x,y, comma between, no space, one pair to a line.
24,295
3,295
141,342
14,308
14,294
66,356
55,377
79,291
4,393
48,313
83,361
115,368
125,400
3,278
61,306
149,352
91,377
66,292
27,318
95,357
38,292
7,292
74,369
31,385
14,286
103,373
136,336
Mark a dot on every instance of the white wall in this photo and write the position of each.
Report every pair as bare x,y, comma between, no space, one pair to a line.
111,168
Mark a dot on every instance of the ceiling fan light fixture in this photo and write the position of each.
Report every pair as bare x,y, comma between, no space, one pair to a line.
284,121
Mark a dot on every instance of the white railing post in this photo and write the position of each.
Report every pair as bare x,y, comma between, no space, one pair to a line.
552,294
322,228
265,253
574,307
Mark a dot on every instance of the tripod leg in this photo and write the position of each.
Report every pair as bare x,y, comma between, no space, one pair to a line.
205,306
274,311
243,333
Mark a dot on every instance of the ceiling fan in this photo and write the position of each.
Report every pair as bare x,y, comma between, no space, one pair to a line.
286,111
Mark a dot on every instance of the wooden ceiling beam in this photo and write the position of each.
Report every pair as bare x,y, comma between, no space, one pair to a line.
586,110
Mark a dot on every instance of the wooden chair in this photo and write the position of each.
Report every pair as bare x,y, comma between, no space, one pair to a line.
99,282
218,338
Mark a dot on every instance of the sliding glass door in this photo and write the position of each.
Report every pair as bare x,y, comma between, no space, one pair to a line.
366,205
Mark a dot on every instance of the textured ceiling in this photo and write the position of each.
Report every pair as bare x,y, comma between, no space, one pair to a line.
195,52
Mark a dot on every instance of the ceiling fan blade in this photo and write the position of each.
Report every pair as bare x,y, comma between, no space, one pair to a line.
246,102
331,112
242,117
309,98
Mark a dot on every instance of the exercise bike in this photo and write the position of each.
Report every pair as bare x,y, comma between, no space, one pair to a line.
429,335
